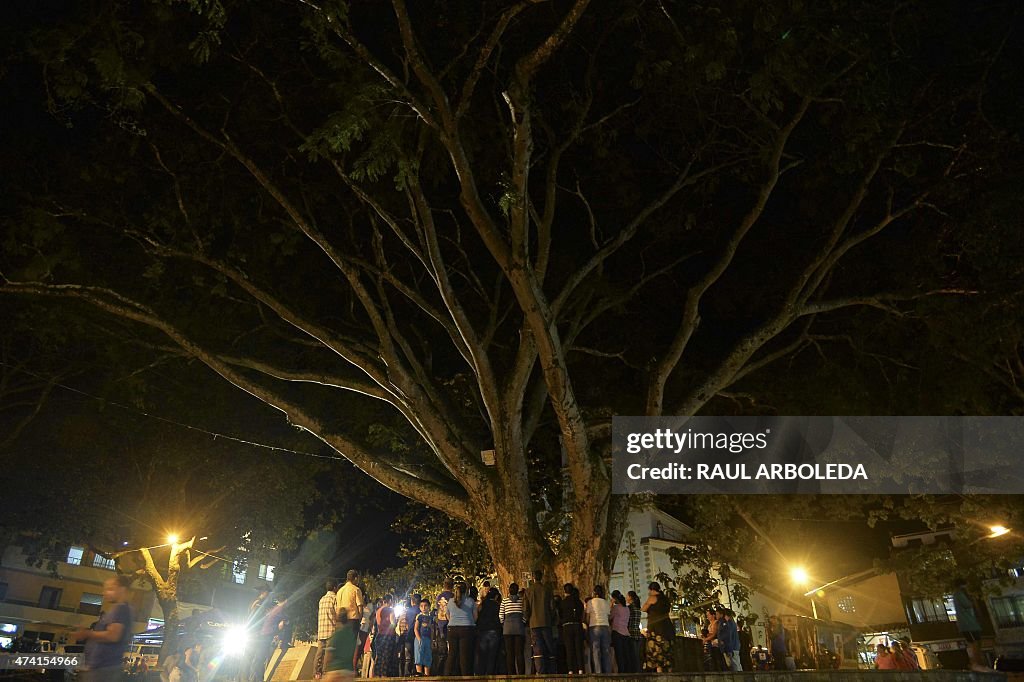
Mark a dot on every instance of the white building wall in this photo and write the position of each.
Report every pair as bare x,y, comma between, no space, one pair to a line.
643,554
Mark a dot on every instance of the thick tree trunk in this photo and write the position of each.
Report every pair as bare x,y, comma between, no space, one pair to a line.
169,606
513,540
586,555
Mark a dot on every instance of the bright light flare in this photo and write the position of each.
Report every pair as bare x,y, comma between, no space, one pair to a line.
998,531
400,610
172,539
798,575
235,640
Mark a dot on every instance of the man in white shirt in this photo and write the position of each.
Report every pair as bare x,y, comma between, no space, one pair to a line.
350,598
327,618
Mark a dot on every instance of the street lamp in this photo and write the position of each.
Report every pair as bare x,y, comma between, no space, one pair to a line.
998,531
172,539
800,577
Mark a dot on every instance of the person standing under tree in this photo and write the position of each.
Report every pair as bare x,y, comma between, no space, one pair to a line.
729,634
108,639
350,598
442,608
636,635
423,628
777,640
570,618
385,642
488,633
712,641
599,631
405,612
625,656
746,644
660,631
538,610
365,625
462,615
327,614
510,613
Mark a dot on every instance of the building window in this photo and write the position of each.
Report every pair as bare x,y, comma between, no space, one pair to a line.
847,604
49,598
947,601
75,555
1008,612
267,573
931,610
238,573
90,603
100,561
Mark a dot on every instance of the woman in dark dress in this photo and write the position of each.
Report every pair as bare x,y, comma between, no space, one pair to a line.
660,630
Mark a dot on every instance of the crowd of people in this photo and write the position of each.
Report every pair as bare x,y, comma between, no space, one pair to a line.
465,631
896,656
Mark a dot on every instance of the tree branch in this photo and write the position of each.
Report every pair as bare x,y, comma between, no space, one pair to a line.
477,356
468,87
529,64
664,367
685,179
116,304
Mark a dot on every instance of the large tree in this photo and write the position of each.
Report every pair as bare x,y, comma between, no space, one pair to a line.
500,222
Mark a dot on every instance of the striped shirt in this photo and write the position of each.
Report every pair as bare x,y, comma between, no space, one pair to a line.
511,607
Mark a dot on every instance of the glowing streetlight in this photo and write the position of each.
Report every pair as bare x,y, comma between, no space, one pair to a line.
172,539
798,574
998,531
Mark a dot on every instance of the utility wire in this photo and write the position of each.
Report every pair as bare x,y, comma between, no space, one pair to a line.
214,434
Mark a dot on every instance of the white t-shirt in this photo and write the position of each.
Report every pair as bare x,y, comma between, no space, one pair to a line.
597,612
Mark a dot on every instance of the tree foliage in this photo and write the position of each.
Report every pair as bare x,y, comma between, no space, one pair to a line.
437,547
